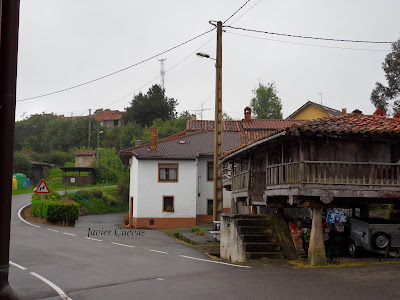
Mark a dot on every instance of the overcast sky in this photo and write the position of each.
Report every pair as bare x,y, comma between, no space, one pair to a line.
66,42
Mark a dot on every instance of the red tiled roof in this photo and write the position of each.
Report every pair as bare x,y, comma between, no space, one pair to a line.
84,153
250,136
345,124
109,115
351,124
205,125
183,147
269,124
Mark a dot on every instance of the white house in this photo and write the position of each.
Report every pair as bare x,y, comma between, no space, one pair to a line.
171,180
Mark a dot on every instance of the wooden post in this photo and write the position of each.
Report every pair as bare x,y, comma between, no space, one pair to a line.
218,185
316,251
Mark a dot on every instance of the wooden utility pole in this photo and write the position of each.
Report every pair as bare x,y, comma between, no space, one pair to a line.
9,22
218,185
90,127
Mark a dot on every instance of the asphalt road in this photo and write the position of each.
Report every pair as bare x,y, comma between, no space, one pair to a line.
61,262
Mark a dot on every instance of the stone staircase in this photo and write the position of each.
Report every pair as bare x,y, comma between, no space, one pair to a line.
258,237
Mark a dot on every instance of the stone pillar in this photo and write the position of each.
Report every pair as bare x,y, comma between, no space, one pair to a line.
316,250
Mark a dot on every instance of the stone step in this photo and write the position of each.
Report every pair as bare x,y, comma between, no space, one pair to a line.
262,247
258,255
259,238
254,230
257,222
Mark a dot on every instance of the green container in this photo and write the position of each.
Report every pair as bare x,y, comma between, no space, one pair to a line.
21,179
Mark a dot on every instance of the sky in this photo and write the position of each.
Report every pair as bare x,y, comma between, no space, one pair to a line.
65,43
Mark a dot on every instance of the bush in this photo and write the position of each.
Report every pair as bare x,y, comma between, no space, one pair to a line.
61,212
22,164
123,187
52,196
36,208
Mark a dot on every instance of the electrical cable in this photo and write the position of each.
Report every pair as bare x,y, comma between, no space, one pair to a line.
245,12
127,95
236,11
118,71
303,44
307,37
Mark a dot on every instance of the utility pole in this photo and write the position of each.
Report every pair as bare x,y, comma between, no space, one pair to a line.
90,127
9,16
218,186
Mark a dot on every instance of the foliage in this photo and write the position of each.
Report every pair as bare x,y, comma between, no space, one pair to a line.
123,186
58,158
146,108
226,117
99,201
52,196
381,95
128,134
109,166
53,210
266,104
22,164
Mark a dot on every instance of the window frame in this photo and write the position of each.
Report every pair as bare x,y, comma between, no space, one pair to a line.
208,167
168,166
163,203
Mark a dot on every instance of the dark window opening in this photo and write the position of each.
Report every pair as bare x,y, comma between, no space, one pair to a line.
151,222
168,204
210,171
210,207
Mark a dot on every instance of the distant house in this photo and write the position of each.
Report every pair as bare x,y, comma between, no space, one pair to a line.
110,118
312,110
84,158
171,180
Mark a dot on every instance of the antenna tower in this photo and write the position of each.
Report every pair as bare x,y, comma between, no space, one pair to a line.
162,71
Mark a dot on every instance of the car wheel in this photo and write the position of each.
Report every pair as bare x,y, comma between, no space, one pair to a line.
380,240
353,249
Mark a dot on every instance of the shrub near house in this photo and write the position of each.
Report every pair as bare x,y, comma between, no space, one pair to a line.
53,209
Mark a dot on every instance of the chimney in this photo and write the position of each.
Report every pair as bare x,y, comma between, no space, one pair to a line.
153,138
138,142
379,113
247,114
193,117
344,111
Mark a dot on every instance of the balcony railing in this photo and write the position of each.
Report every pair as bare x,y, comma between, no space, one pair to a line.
320,172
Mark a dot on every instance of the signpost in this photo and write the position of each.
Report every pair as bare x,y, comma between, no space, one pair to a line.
42,189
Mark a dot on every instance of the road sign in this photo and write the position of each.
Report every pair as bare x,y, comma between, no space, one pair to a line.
42,188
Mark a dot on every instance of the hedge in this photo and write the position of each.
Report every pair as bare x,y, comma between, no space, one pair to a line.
55,212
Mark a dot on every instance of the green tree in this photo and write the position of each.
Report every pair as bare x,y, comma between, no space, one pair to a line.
226,117
109,166
146,108
266,104
22,164
381,95
128,134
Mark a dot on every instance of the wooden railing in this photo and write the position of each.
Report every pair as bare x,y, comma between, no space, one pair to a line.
356,173
320,172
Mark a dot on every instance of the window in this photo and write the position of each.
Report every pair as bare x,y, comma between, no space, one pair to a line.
168,203
115,122
210,207
168,172
210,171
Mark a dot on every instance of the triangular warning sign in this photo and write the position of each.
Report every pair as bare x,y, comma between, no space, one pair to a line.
42,188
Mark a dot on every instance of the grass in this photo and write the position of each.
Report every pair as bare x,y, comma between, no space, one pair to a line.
53,180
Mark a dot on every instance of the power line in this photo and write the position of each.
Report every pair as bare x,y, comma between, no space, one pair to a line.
311,45
245,12
154,79
118,71
236,11
307,37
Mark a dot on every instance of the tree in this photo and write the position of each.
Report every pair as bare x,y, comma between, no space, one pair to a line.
381,95
226,117
146,108
266,104
22,164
